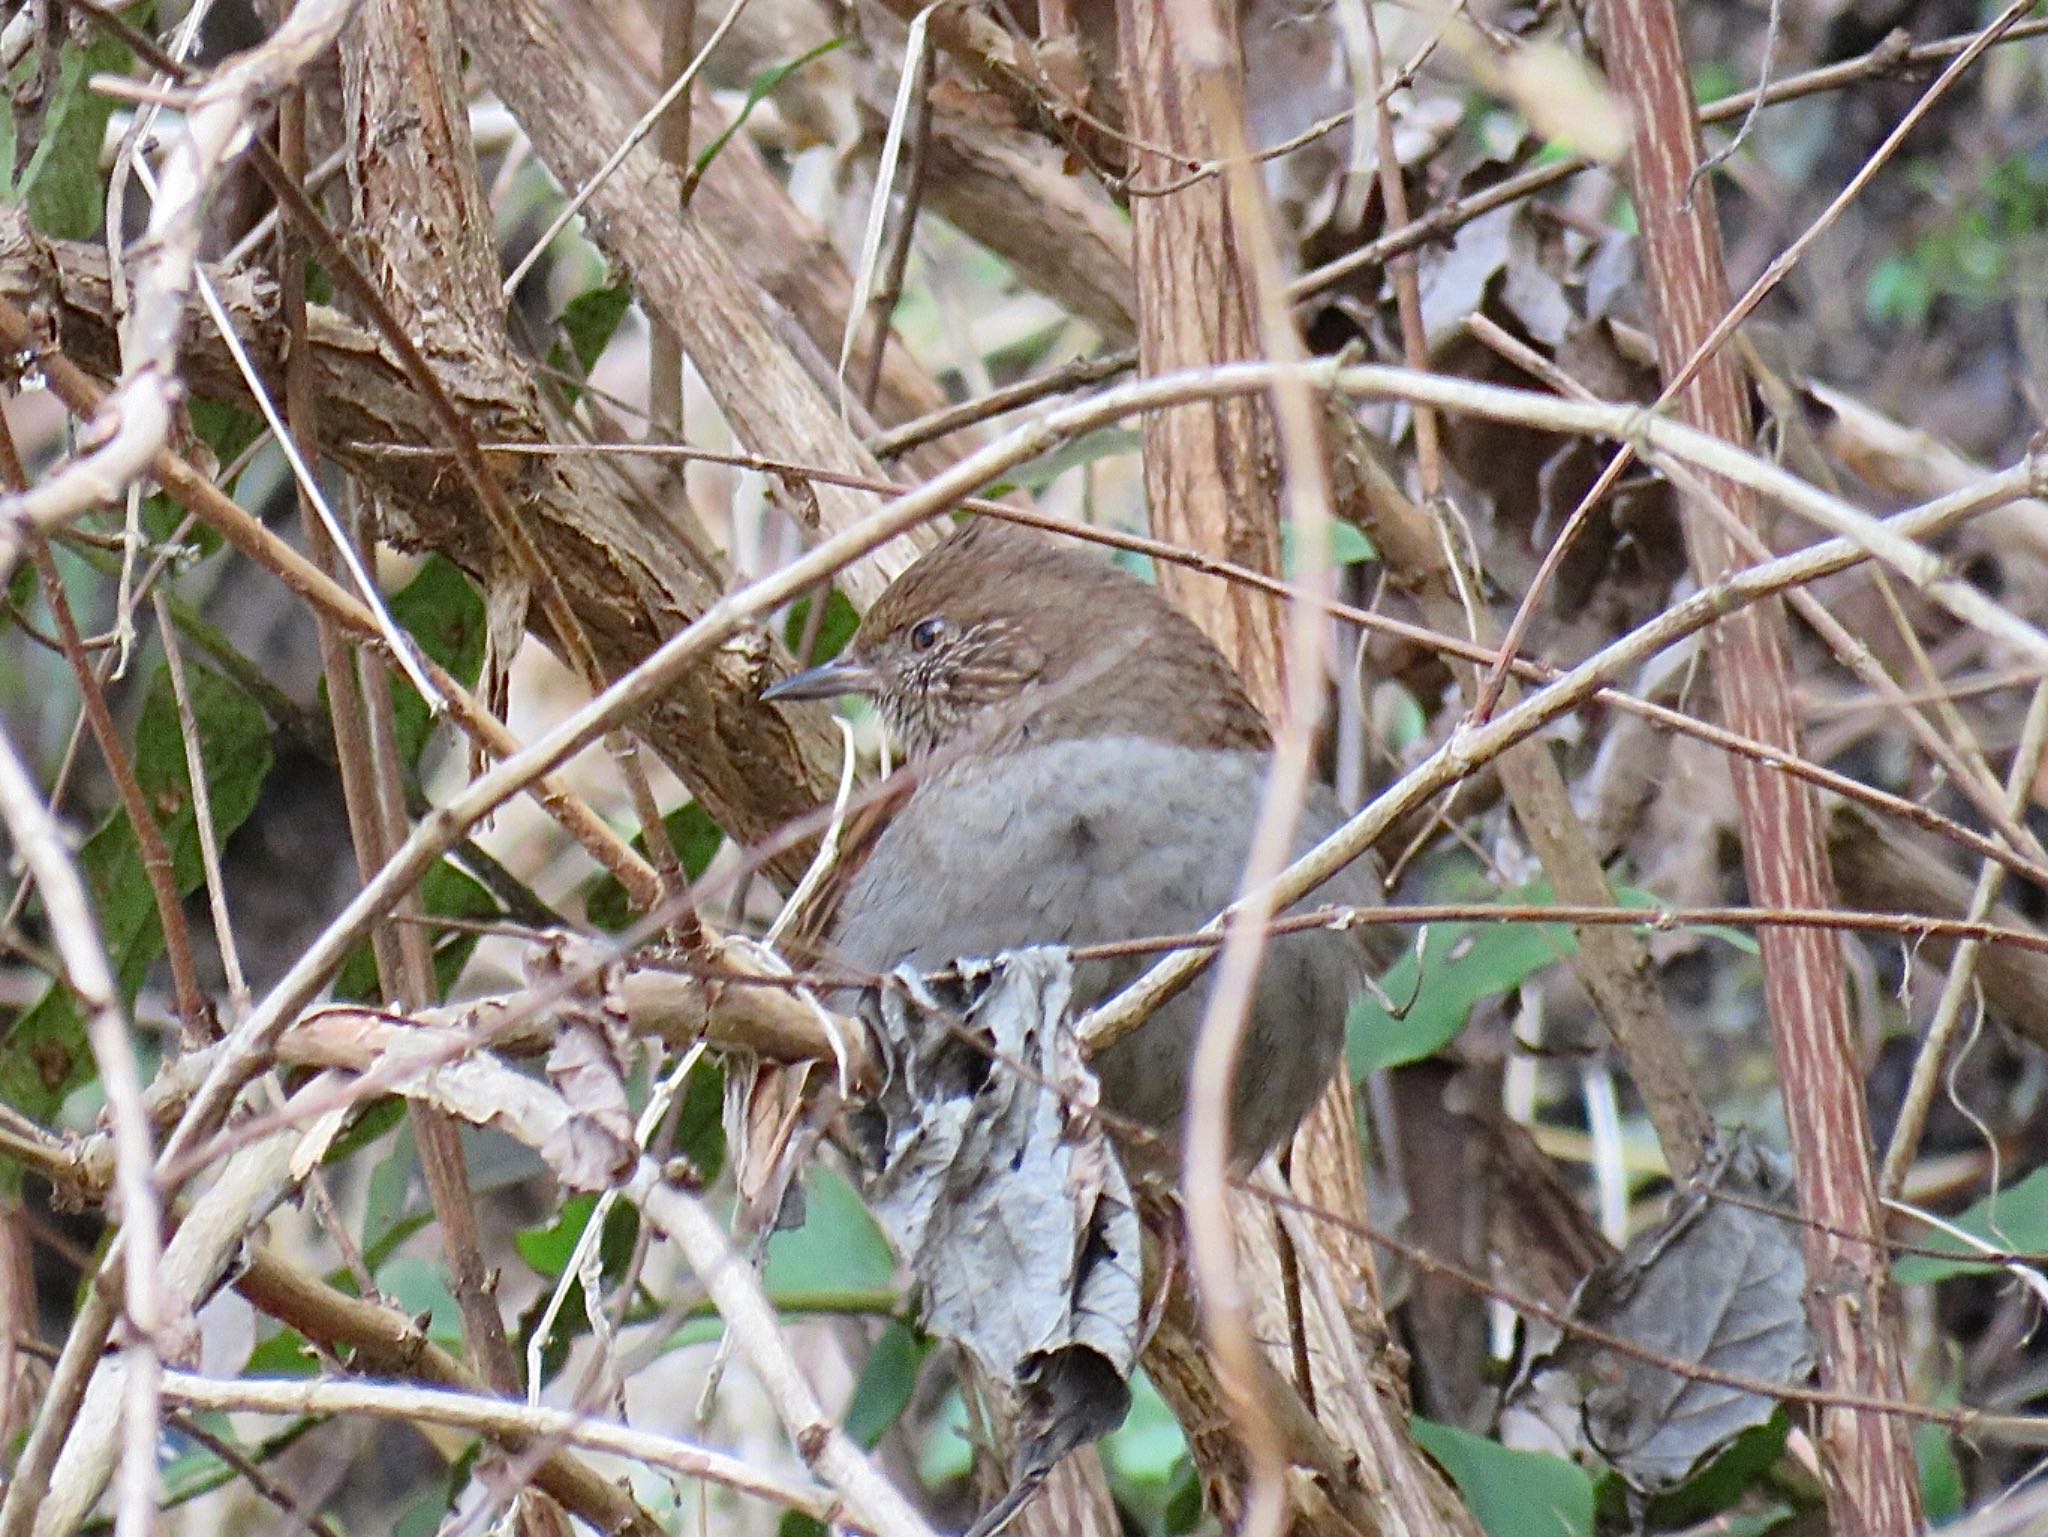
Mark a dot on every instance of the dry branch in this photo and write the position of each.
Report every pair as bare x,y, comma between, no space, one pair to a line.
727,323
1867,1461
754,769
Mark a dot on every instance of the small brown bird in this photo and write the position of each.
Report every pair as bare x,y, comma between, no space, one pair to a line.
1093,769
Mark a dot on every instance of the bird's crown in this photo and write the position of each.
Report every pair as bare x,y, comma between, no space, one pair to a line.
1006,634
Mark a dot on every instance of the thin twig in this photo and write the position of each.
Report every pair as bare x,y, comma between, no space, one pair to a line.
1226,1017
202,809
1682,378
193,1010
40,844
1962,967
200,495
495,1417
574,205
135,420
245,1467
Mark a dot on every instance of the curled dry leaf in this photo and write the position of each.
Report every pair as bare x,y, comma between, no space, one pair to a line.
440,1067
588,1063
1001,1190
1716,1284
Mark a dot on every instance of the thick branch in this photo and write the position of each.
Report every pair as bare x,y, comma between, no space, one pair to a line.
1867,1459
726,322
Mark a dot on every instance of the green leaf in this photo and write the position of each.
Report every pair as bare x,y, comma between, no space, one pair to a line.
1462,963
1105,443
284,1354
764,85
199,1470
1898,293
62,182
1149,1446
423,1517
1942,1489
700,1123
1148,1463
588,323
447,892
1714,79
1727,1478
834,630
44,1056
885,1385
1138,564
2016,1219
226,431
395,1234
1184,1506
547,1246
441,611
1511,1494
838,1245
384,1201
371,1123
1348,546
947,1455
695,838
421,1290
1401,715
591,320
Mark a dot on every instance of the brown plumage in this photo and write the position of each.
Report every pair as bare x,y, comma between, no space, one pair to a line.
1003,630
1092,768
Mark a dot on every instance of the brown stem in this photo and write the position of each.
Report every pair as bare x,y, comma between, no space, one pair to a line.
419,195
212,506
383,1341
1209,468
1867,1460
194,1013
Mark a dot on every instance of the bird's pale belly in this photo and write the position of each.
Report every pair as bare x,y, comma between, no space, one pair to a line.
1097,840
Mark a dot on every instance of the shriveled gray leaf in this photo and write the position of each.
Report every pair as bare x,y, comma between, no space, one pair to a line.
1003,1194
1717,1284
1455,278
587,1063
1531,288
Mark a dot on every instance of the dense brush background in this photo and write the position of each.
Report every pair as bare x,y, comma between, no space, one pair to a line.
1904,355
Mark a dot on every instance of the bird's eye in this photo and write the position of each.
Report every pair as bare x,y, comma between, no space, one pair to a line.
927,633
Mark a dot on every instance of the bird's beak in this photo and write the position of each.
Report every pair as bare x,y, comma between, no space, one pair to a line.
843,675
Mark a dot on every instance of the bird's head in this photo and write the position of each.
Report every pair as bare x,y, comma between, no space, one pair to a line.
1004,633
